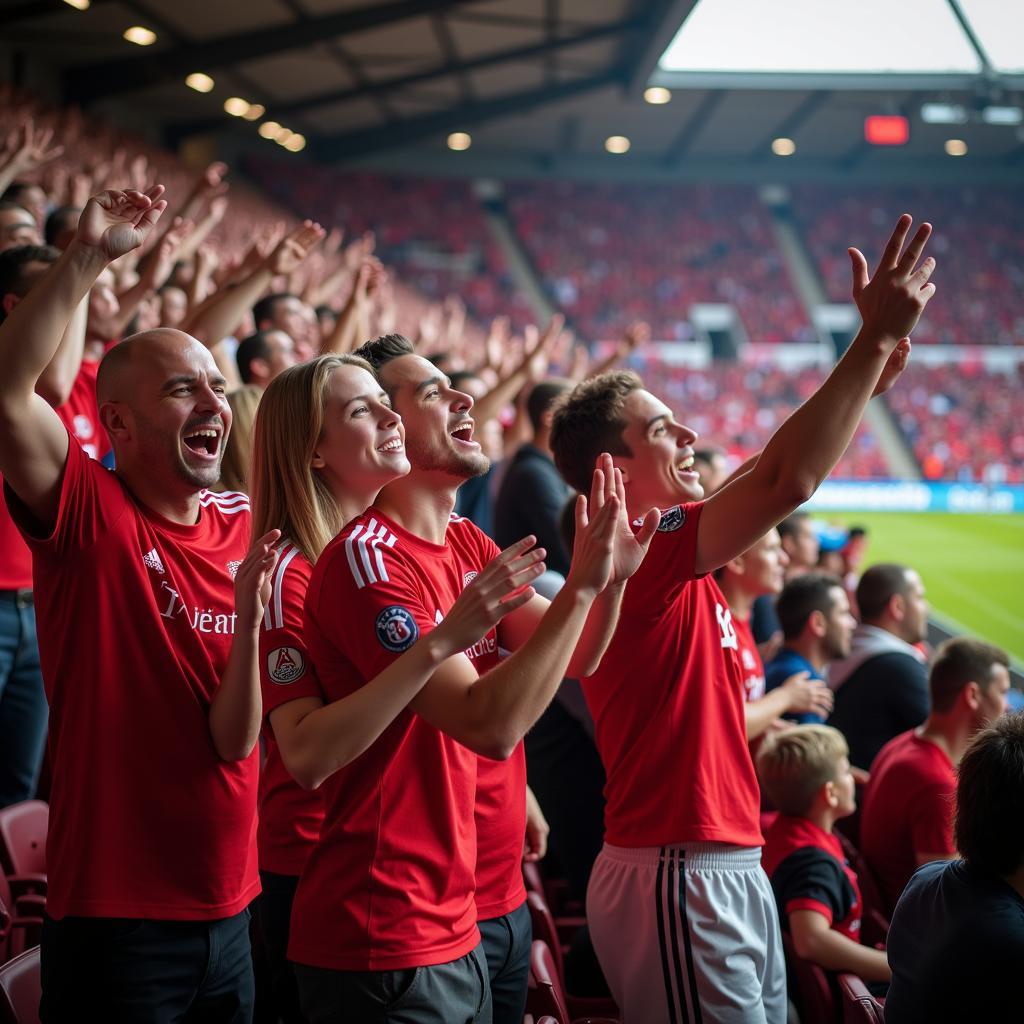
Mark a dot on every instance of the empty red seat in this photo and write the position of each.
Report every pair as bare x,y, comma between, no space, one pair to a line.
20,989
859,1005
23,830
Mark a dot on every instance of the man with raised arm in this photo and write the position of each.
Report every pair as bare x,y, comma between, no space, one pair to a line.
148,615
680,911
423,836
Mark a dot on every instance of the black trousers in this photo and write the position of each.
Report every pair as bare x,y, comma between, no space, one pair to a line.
131,971
452,993
507,942
273,912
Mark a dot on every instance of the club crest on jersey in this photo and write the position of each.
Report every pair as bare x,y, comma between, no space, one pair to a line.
285,665
468,578
396,629
671,520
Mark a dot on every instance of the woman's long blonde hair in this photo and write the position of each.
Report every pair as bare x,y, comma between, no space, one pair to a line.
287,493
236,465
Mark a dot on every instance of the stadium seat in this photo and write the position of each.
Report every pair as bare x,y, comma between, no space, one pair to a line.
811,987
545,929
23,830
21,921
874,920
859,1005
20,989
545,996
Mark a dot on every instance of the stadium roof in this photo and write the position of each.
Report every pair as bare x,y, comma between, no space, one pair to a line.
541,84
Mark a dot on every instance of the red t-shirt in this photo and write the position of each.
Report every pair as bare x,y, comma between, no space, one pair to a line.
15,557
136,617
290,816
500,832
751,665
908,809
809,872
390,883
668,706
81,413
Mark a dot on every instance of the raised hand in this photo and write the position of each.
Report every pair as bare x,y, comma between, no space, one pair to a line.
117,222
295,247
593,552
894,366
502,587
31,148
630,547
891,301
635,336
253,579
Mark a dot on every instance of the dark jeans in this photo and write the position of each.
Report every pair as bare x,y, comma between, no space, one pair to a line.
273,911
129,971
507,943
23,711
452,993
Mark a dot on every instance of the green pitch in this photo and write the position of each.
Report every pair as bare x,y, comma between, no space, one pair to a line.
972,565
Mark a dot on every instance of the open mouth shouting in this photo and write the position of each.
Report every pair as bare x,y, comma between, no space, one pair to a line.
684,467
203,441
462,433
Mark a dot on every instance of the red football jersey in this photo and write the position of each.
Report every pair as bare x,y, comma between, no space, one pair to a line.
809,872
81,413
15,557
500,834
390,883
668,706
136,618
290,816
908,809
751,665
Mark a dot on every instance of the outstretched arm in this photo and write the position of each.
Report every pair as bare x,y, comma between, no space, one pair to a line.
33,441
806,447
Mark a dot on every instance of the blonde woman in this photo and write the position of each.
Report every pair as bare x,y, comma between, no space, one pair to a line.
326,440
235,466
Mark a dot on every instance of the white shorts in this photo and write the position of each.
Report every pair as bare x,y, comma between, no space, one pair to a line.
688,934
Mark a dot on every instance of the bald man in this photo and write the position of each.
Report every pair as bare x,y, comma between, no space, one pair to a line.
148,609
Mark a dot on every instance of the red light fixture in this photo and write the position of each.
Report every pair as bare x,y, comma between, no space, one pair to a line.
886,130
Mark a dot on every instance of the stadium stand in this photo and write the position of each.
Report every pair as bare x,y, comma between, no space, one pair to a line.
611,254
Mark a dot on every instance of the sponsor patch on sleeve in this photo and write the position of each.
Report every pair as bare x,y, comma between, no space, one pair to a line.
285,665
396,628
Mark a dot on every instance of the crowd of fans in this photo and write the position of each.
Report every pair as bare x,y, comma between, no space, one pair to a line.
202,345
962,423
985,268
610,254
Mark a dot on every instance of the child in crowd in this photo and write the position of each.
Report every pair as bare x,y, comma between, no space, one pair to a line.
806,774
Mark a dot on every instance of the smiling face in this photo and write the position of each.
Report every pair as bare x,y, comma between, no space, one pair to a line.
764,565
362,444
163,402
660,469
439,428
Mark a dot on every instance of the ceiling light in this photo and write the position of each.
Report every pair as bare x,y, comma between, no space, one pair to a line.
269,129
236,106
139,35
296,143
783,147
200,82
1000,114
943,113
460,141
956,147
617,144
283,135
657,95
80,5
255,112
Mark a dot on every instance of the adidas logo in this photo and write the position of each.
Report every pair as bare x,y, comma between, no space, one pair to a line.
152,559
233,567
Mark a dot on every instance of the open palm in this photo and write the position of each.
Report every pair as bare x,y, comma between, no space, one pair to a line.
117,222
629,547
